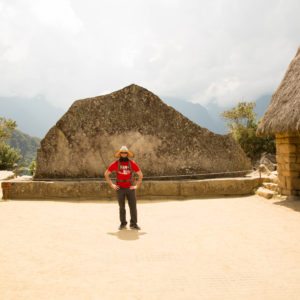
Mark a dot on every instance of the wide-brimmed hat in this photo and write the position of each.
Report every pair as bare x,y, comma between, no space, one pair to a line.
124,149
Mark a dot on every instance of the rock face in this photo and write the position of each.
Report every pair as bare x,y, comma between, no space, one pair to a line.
84,140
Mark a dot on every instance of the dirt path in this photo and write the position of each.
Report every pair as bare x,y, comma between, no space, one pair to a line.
227,248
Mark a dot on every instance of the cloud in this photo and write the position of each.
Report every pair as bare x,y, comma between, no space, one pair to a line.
196,50
57,14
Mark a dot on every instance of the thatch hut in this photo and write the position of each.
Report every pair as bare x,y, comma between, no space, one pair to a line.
282,119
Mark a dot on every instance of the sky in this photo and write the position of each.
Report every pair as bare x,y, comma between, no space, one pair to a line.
213,51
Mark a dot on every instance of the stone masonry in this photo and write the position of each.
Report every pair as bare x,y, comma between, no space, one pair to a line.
288,163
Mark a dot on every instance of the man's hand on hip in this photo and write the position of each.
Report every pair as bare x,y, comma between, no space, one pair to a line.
115,187
133,187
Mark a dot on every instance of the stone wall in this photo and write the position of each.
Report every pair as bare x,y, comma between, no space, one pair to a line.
288,163
100,190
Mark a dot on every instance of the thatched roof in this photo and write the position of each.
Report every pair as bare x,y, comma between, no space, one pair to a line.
283,113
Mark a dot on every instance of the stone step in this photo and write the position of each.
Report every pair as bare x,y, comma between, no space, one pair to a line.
266,193
271,186
274,179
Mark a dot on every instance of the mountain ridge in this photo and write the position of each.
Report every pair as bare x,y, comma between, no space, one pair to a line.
35,116
26,144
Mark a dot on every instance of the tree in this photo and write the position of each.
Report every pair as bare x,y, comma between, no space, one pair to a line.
32,167
7,126
242,123
8,155
26,144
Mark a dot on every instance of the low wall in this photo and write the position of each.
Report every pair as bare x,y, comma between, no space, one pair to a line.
99,190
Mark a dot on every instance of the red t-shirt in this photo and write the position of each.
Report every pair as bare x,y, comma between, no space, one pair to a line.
124,173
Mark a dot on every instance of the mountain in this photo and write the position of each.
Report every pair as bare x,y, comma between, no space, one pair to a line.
196,113
210,116
262,104
34,116
215,111
26,144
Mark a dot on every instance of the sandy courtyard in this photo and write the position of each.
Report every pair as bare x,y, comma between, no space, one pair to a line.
226,248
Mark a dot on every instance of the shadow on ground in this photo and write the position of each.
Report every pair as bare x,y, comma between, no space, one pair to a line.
161,199
127,235
290,202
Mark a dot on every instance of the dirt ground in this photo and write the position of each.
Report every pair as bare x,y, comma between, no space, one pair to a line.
225,248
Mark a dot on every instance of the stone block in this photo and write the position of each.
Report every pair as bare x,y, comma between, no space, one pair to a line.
274,178
286,158
286,148
280,167
265,193
289,173
295,183
295,192
289,184
282,135
288,140
279,159
295,167
271,186
282,181
162,188
287,135
285,192
292,166
230,186
94,128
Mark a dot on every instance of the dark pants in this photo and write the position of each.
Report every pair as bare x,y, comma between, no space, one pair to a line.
130,195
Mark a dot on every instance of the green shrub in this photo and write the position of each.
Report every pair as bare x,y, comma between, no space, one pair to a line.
242,124
8,157
32,167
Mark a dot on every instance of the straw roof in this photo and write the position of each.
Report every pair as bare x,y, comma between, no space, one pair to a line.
283,113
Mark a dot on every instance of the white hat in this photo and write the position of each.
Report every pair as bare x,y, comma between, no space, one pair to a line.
124,149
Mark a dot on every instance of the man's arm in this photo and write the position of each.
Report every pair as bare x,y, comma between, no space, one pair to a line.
139,182
107,178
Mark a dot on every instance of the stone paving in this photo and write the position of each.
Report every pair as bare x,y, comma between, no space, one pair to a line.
217,248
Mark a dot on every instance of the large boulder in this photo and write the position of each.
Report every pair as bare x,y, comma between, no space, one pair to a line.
83,141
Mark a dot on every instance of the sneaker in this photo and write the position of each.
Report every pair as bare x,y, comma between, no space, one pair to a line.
122,226
135,226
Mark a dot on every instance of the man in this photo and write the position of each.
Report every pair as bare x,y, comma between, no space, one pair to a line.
125,185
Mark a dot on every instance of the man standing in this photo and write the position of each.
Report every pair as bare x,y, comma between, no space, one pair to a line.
125,185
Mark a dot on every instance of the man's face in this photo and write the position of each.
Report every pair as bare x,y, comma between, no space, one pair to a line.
124,154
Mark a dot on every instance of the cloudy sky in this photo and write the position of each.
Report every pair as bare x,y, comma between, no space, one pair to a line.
200,51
